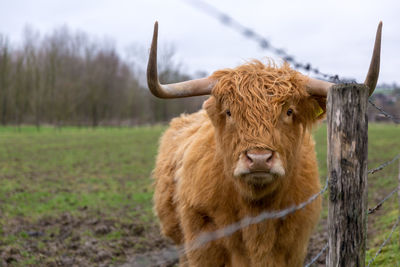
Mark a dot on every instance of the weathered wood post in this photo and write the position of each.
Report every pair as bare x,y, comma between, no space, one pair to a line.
347,163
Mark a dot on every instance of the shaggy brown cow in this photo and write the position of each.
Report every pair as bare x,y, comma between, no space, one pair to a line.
247,151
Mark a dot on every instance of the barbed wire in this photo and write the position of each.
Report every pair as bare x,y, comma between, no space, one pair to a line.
249,33
228,230
384,113
317,256
384,242
383,165
205,238
264,44
372,210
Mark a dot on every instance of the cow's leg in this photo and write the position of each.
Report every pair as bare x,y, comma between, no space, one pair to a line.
238,259
260,240
293,252
296,250
183,261
210,254
165,208
294,236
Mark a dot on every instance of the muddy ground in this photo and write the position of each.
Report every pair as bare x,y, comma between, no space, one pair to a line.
79,241
167,256
86,240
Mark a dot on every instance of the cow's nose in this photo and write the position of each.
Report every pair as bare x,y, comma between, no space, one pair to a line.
259,159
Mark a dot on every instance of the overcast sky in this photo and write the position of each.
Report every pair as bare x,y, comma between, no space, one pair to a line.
335,36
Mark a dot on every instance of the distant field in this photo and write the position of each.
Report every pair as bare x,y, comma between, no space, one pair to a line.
83,196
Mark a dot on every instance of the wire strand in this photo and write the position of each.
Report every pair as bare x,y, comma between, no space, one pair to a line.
317,256
383,165
207,237
384,113
372,210
384,242
249,33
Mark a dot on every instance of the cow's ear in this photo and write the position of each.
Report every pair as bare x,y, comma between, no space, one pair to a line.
210,105
320,107
312,109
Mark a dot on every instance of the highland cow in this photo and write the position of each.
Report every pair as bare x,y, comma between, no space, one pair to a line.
248,150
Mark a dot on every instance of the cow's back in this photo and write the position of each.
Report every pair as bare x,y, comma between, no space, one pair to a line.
173,144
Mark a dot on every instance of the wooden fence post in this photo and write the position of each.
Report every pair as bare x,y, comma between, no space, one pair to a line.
347,168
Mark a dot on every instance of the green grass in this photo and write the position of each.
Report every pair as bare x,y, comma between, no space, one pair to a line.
51,172
57,171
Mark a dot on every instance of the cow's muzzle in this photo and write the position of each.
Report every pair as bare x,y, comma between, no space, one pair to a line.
260,164
259,160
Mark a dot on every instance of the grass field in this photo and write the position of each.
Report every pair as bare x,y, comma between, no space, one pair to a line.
83,196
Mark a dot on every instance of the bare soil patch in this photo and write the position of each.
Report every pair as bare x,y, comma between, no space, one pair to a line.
84,240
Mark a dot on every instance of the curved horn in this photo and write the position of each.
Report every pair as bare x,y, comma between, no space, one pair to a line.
175,90
319,87
373,72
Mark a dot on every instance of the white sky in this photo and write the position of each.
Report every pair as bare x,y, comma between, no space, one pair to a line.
335,36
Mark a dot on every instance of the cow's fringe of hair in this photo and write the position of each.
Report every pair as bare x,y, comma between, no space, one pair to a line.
239,90
280,84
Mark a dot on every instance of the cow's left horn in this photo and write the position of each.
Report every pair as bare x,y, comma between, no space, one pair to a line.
318,87
175,90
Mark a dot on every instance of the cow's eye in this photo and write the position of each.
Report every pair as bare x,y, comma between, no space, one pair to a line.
289,112
228,112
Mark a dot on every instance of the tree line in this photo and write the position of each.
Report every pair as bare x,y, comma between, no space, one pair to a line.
70,78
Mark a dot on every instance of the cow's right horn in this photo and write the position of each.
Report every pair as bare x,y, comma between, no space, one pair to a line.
319,87
175,90
373,71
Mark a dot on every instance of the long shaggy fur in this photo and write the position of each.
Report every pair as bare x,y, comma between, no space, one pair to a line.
195,190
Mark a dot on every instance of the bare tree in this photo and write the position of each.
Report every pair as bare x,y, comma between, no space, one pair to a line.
5,70
70,78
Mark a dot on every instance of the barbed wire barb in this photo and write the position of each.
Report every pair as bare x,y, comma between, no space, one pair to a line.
384,113
372,210
383,165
